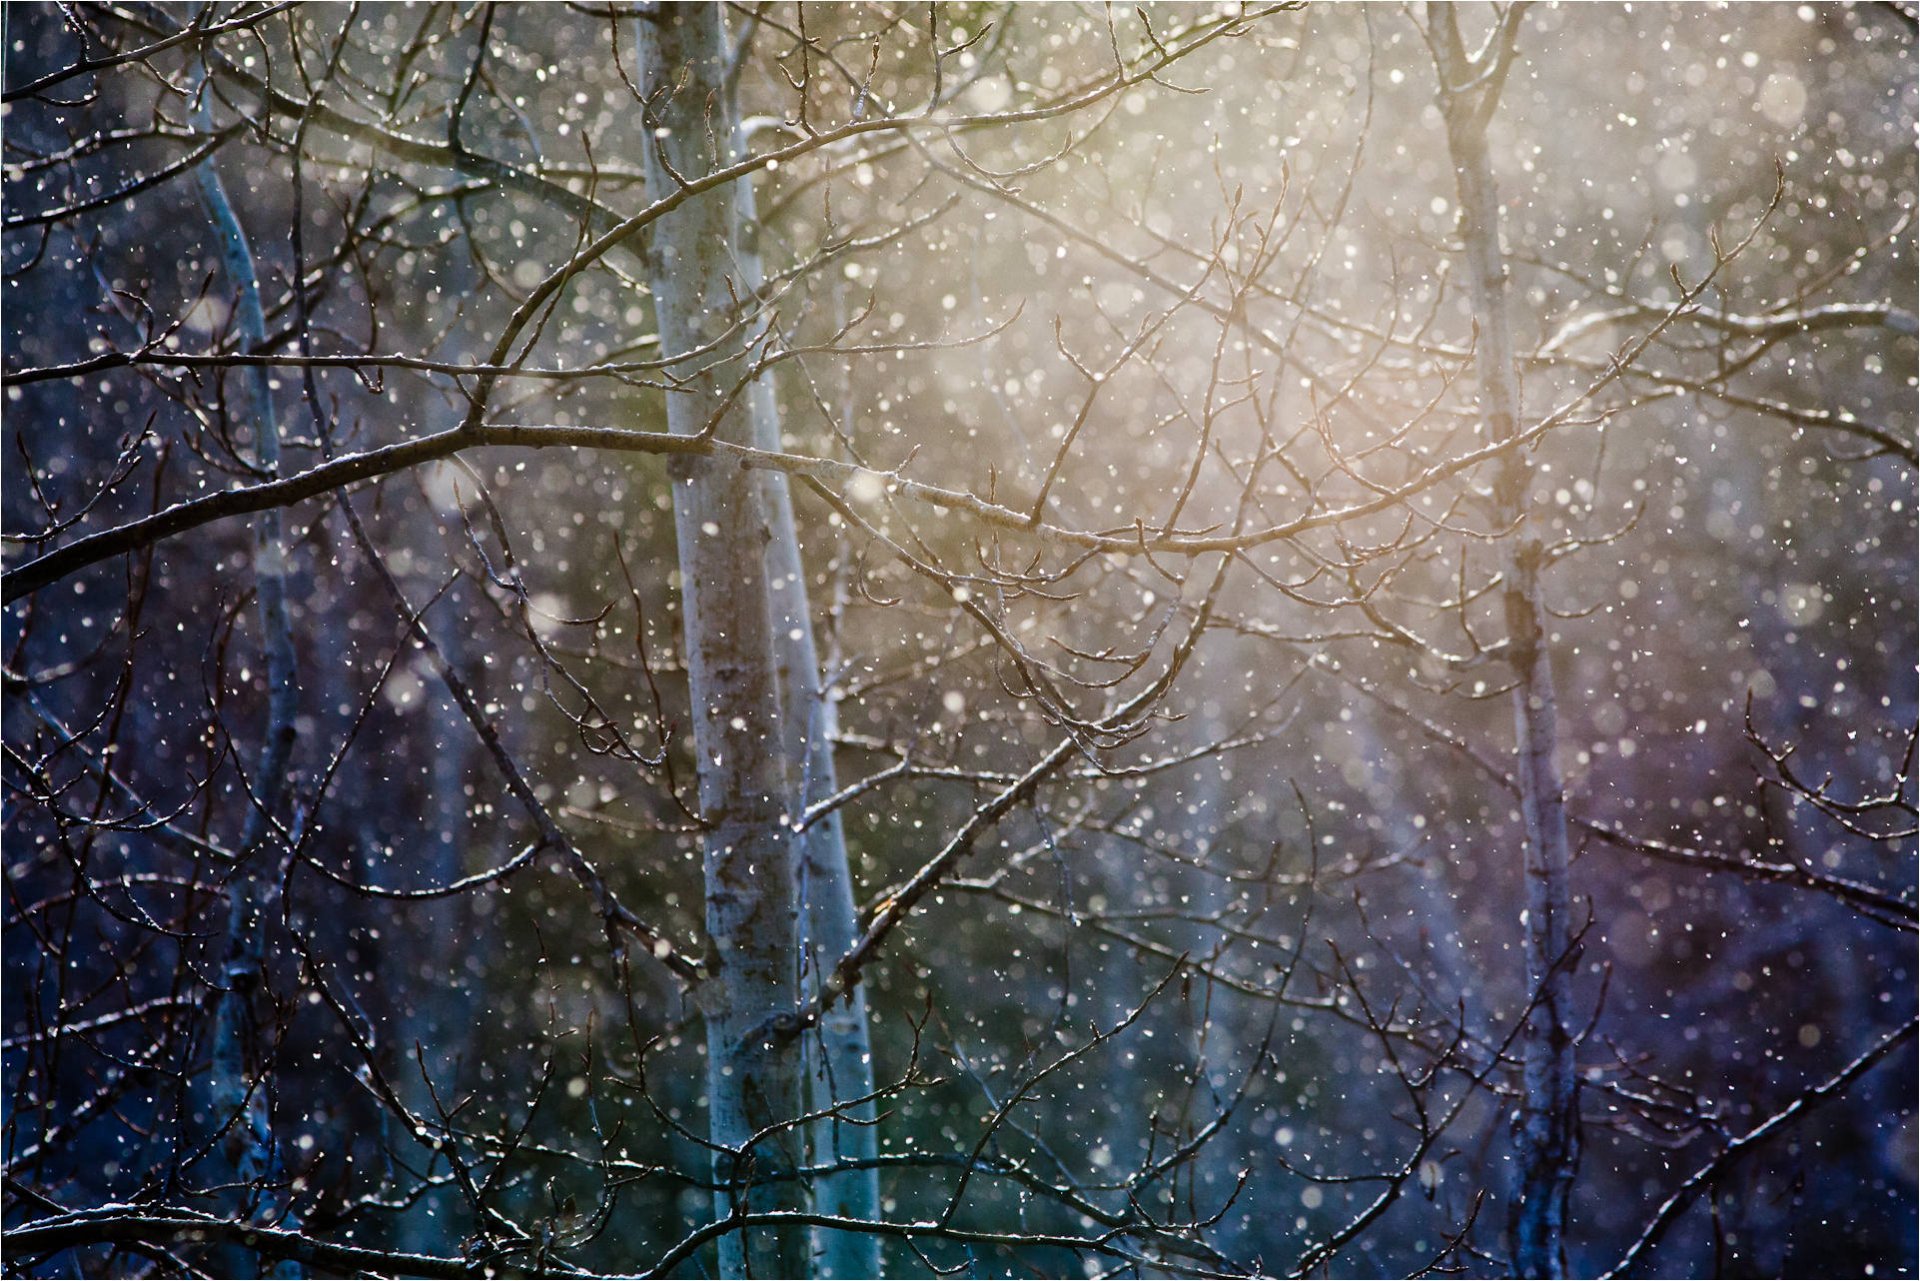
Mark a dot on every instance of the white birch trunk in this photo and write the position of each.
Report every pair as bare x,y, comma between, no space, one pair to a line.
839,1054
754,1069
1547,1140
248,1143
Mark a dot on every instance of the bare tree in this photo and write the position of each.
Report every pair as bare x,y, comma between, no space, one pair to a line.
1548,1146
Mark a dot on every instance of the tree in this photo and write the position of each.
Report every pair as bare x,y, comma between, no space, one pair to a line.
816,640
1549,1127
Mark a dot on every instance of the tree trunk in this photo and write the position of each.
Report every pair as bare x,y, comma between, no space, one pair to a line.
440,1018
754,1070
839,1055
1547,1141
238,1103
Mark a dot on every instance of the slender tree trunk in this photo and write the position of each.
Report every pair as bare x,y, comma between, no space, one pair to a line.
840,1063
428,952
839,1056
754,1068
237,1037
1548,1139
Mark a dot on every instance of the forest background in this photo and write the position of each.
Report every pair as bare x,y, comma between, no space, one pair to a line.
820,639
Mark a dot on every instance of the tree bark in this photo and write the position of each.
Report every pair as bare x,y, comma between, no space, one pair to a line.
724,532
1547,1142
839,1053
238,1102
